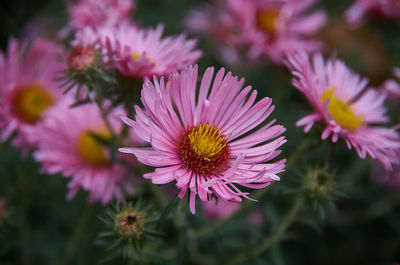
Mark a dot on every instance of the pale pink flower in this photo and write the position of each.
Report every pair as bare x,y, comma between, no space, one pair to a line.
66,145
28,87
142,53
219,209
342,103
357,14
99,13
198,139
259,27
392,87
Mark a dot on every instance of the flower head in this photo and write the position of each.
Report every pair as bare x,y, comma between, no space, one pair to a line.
260,27
27,87
98,13
201,139
69,143
342,103
141,53
357,13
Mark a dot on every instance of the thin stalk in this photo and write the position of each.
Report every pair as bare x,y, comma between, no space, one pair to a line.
104,115
274,238
257,195
73,242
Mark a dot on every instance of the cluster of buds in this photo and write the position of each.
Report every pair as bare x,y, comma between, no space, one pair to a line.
88,73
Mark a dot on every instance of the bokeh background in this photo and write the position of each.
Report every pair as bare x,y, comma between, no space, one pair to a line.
361,226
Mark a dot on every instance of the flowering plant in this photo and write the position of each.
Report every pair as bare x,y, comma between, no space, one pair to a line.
184,132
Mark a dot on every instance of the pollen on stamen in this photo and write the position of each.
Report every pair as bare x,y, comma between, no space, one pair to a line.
30,101
91,150
268,20
341,111
204,149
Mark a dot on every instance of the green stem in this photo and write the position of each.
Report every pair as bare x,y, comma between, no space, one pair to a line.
24,236
104,115
215,225
274,238
298,151
73,243
158,194
195,254
257,195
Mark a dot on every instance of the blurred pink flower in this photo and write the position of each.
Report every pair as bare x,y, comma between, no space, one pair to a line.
98,13
66,145
392,177
220,209
202,144
356,15
259,27
27,87
257,217
392,87
142,53
338,97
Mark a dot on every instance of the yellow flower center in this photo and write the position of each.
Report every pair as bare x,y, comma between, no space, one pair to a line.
206,142
204,149
91,149
340,111
136,56
268,20
30,101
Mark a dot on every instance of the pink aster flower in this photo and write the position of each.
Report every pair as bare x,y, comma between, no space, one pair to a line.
357,13
219,210
144,53
66,145
27,87
392,87
98,13
200,137
342,103
260,27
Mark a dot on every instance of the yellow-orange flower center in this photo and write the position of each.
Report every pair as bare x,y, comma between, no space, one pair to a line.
341,111
268,20
91,149
30,101
204,150
135,56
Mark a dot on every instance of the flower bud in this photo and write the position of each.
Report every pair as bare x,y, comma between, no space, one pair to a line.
319,183
82,58
130,223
